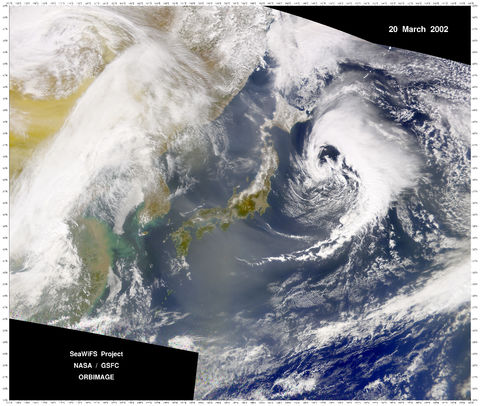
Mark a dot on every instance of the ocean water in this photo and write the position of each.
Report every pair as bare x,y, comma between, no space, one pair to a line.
287,200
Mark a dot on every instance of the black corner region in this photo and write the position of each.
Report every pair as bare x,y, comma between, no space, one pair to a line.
446,30
52,363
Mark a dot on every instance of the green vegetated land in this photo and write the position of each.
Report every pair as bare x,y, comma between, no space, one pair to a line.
239,206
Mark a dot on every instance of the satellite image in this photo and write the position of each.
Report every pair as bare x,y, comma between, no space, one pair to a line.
287,200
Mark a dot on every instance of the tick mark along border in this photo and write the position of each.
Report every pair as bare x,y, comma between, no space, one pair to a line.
4,167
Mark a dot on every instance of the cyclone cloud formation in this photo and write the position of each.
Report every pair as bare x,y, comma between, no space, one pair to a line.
287,200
